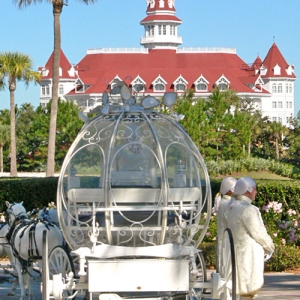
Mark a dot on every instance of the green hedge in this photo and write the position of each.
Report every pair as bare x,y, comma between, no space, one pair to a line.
38,192
285,191
284,258
34,192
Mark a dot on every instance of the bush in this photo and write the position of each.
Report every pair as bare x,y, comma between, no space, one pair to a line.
284,258
279,204
216,168
34,192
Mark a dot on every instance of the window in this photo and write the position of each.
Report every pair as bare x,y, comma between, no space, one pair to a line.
159,29
152,30
159,87
172,30
45,90
290,104
180,87
274,104
61,89
138,87
274,119
287,88
279,120
201,87
223,86
280,88
164,29
290,88
274,88
280,104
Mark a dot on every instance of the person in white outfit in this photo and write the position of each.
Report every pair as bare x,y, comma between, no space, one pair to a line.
252,243
221,209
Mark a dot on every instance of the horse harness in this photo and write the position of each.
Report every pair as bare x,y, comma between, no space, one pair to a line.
20,226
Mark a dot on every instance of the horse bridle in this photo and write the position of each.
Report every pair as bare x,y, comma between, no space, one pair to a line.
18,217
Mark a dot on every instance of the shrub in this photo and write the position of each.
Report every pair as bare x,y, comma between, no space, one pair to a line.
279,204
34,192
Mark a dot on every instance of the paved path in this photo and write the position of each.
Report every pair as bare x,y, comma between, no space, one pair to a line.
278,286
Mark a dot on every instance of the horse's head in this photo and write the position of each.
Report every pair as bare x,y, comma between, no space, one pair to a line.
16,212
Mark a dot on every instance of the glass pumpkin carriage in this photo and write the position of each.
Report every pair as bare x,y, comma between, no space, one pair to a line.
132,194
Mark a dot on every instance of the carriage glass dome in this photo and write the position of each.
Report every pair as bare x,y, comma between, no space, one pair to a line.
133,177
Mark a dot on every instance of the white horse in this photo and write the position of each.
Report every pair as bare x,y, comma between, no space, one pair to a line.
27,243
6,249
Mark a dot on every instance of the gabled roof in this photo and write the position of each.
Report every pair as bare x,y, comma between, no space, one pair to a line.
257,63
274,58
63,63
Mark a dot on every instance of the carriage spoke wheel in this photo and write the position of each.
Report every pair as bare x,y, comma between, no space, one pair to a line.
57,262
60,262
228,267
201,277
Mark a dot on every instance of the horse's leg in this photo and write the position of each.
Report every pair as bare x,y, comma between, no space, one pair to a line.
13,287
30,281
21,279
15,272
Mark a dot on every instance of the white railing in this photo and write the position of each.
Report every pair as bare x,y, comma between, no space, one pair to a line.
116,50
206,50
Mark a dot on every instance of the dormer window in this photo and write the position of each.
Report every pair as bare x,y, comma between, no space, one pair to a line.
180,87
277,70
159,87
262,70
290,70
138,85
159,84
180,84
201,87
201,84
223,86
223,83
79,86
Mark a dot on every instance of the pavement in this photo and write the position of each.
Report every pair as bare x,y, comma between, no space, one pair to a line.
278,286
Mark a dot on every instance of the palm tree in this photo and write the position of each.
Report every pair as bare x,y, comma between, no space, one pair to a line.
57,10
4,138
277,130
15,67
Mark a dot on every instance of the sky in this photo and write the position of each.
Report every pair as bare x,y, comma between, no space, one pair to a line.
250,26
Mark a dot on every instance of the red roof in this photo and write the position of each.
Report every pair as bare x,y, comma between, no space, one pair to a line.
156,7
63,63
168,64
257,63
160,18
273,58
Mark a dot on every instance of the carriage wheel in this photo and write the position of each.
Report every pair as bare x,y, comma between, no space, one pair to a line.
228,267
60,262
201,277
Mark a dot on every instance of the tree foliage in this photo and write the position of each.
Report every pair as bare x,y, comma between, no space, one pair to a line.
15,67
